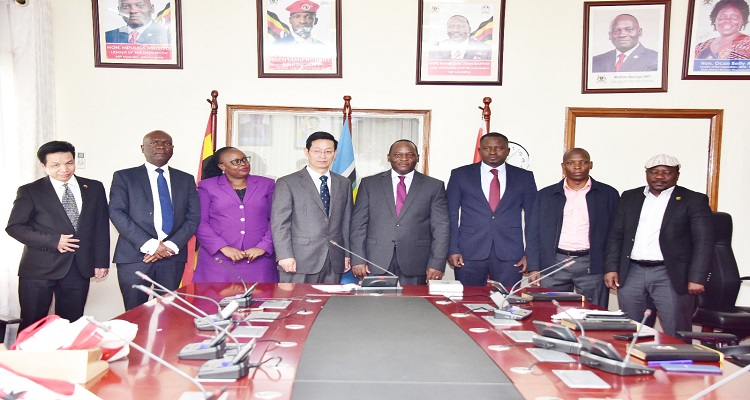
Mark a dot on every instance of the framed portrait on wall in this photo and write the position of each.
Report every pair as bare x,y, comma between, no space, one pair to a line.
299,38
137,33
460,42
625,46
717,40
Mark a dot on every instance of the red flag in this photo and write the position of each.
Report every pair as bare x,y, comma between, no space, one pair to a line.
483,128
206,151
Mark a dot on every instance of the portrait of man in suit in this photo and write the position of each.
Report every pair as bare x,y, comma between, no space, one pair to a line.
487,202
400,221
312,207
156,210
302,20
139,26
61,220
629,54
459,46
659,248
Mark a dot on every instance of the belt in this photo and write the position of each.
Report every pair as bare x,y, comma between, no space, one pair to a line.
648,263
573,253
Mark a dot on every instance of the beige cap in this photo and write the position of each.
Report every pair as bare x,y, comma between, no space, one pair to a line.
662,159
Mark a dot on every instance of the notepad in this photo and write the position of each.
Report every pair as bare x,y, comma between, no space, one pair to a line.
581,379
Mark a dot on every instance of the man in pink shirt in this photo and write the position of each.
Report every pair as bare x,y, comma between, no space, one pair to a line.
571,218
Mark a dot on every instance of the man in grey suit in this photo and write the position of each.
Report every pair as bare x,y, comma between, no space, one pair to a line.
629,54
156,210
310,208
400,220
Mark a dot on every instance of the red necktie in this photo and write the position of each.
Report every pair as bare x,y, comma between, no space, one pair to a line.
620,59
133,36
494,190
400,194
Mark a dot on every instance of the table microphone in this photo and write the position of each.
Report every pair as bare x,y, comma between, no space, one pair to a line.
246,298
205,350
511,299
203,394
374,282
501,300
559,344
228,367
517,313
608,364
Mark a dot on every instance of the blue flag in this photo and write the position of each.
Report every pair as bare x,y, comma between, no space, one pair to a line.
343,164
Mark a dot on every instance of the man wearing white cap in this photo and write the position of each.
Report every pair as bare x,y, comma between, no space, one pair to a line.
659,247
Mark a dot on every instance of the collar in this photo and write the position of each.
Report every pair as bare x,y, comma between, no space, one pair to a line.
485,169
395,175
668,192
629,52
315,175
565,185
72,182
152,168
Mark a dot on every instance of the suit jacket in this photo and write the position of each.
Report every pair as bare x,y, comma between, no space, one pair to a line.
131,209
686,237
154,34
300,226
479,228
38,219
420,232
545,224
641,59
228,221
476,50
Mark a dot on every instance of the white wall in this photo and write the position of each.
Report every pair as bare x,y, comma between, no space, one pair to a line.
105,111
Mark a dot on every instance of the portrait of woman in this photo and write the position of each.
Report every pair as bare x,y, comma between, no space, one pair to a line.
235,221
728,17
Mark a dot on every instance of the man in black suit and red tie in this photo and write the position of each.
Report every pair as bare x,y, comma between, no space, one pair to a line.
62,221
629,54
659,247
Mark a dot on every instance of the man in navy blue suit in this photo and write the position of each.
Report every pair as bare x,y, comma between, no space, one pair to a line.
491,198
140,27
629,54
156,210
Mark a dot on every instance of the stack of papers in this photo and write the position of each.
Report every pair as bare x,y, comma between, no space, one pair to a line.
447,287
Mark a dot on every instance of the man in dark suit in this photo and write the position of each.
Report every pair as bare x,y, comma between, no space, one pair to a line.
156,210
459,46
572,218
140,27
62,221
659,247
491,198
629,54
400,221
302,19
311,207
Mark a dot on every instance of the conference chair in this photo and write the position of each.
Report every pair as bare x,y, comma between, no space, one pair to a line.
716,310
6,320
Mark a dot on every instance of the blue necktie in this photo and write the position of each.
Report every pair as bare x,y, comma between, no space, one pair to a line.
325,195
167,213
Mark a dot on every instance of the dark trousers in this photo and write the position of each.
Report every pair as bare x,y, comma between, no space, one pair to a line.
70,293
579,277
167,272
394,268
475,272
326,276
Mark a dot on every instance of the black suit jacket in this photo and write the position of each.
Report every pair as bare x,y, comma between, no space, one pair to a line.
686,237
154,34
38,219
131,210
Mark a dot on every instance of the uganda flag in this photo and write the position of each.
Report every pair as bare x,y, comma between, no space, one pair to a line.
276,28
484,32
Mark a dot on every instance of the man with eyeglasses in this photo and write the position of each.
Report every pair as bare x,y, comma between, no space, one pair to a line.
486,203
156,210
572,218
312,207
629,54
140,28
400,221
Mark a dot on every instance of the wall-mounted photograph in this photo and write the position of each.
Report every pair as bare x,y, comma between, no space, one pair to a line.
625,46
717,41
137,33
299,39
460,42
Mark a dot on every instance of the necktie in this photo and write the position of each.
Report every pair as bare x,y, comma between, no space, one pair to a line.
620,59
400,194
456,55
494,190
133,36
167,213
325,195
70,206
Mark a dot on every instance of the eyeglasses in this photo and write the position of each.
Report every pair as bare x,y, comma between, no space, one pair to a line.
140,6
617,31
318,152
239,161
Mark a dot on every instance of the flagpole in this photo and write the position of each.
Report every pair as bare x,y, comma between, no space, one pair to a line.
348,111
214,112
486,112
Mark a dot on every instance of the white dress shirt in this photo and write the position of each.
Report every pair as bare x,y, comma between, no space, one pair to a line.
394,182
646,246
152,244
316,179
487,179
74,188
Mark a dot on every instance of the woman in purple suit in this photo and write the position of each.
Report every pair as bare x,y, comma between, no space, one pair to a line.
235,221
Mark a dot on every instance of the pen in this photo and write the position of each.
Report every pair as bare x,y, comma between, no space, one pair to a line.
659,363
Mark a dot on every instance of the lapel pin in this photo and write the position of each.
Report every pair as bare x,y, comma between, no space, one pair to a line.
85,186
678,198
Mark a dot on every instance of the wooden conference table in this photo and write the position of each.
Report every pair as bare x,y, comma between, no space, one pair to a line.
165,330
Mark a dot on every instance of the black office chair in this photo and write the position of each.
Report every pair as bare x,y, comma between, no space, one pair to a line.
716,309
6,320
